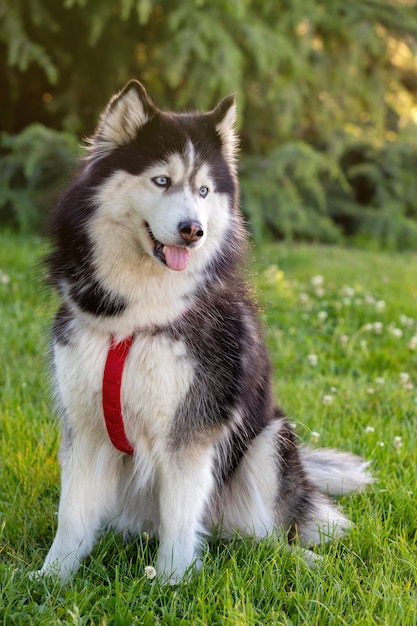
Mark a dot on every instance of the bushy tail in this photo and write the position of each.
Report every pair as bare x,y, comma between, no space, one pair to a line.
335,472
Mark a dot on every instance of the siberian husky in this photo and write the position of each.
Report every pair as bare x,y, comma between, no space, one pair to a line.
162,378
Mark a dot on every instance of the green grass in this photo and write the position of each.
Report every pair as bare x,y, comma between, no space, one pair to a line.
355,397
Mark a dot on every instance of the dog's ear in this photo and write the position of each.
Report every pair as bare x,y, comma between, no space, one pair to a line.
224,116
125,114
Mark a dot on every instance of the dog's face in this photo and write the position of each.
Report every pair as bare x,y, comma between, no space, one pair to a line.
172,177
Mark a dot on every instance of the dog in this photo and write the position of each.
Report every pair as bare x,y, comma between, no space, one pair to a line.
161,375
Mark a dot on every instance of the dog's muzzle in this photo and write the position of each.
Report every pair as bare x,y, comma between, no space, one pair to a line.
176,257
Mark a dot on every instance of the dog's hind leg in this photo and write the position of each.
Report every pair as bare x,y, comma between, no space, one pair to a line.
88,500
185,485
271,493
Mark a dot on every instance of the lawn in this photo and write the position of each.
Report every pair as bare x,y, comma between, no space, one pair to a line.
342,331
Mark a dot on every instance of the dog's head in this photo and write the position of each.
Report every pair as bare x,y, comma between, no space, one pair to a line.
169,178
152,217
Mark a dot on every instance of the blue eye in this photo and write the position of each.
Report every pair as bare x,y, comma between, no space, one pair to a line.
203,191
162,181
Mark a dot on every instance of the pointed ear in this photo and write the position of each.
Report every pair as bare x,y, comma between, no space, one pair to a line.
124,115
224,116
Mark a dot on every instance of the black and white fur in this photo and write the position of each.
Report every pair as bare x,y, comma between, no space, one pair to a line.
211,448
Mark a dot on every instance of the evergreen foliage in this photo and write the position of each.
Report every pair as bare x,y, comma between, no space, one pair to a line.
317,82
367,195
33,165
381,203
285,194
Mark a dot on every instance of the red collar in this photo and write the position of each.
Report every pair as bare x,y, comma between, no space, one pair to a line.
111,395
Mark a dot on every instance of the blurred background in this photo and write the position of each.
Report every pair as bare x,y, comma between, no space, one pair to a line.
327,98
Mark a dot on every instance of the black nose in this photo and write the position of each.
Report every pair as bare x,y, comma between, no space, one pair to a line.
190,231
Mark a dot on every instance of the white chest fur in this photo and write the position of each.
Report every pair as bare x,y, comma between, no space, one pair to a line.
156,378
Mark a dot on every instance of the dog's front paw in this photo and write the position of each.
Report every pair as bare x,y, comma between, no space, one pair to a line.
56,567
50,571
36,575
176,571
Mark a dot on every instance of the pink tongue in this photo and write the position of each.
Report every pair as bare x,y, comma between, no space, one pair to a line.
176,257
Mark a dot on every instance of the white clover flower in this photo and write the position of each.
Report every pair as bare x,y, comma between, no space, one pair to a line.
150,572
407,322
396,332
304,297
412,344
370,390
343,339
327,399
4,278
271,270
380,305
369,429
405,381
369,299
333,389
274,274
378,327
381,444
347,301
315,436
317,281
312,359
347,290
363,344
380,381
322,315
398,442
320,292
